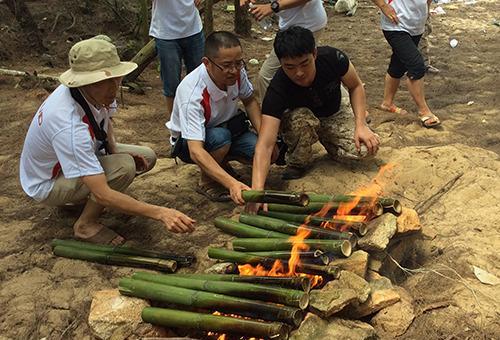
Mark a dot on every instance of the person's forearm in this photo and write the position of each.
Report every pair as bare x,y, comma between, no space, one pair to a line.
261,165
254,114
379,3
358,103
209,166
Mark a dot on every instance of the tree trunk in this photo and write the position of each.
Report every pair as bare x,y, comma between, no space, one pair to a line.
23,15
242,22
143,58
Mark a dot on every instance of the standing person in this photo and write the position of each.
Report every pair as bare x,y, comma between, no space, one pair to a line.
206,127
309,14
403,22
70,154
178,32
304,102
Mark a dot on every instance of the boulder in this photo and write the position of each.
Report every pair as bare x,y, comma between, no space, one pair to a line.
350,280
408,221
394,320
380,232
114,316
313,327
356,263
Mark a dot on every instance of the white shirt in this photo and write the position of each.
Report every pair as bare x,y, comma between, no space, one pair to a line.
199,104
174,19
311,15
59,139
412,15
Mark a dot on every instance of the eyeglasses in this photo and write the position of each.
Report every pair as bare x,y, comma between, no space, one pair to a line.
237,65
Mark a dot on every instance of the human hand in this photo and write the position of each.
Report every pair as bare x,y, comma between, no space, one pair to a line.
363,134
261,11
390,13
244,2
175,221
253,208
235,192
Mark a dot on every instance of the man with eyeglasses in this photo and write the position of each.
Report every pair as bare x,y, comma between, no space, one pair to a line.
206,126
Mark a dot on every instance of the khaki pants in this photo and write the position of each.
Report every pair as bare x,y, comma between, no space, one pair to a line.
119,169
271,65
300,129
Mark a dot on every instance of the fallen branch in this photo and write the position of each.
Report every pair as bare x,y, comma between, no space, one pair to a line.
423,206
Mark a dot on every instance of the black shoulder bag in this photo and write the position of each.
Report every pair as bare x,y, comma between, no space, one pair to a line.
99,132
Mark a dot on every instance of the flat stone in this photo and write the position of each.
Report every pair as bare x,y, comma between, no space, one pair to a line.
331,299
394,320
356,263
408,221
115,316
353,281
382,295
313,327
380,231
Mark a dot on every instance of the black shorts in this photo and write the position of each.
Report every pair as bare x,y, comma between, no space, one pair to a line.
406,57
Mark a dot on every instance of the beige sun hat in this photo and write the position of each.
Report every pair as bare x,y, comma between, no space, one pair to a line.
93,60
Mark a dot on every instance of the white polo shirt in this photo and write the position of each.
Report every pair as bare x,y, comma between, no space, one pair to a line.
174,19
60,139
311,15
412,15
199,104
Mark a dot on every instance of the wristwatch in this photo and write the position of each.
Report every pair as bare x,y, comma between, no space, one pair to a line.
275,6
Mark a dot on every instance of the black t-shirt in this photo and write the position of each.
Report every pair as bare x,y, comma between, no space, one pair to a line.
322,97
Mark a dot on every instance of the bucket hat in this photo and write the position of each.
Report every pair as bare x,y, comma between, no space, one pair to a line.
93,60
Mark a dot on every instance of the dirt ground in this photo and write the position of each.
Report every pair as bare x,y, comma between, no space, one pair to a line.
42,296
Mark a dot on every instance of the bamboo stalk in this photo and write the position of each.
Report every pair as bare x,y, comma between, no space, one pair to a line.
172,318
339,247
243,230
292,229
269,196
374,209
313,257
211,301
384,201
289,297
181,260
298,282
168,266
248,258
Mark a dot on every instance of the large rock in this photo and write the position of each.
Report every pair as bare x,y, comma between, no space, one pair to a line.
380,232
114,316
394,320
382,295
350,280
315,328
356,263
408,221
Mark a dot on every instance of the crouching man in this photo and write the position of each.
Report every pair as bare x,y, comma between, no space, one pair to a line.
206,126
304,101
70,154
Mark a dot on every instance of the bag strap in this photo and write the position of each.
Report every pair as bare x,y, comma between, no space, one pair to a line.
99,132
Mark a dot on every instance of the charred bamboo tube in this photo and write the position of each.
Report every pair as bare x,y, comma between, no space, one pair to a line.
243,230
172,318
181,260
168,266
315,257
339,247
395,207
384,201
212,301
298,282
289,297
292,229
375,209
269,196
244,258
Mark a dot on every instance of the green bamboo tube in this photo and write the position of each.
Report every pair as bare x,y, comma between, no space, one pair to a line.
270,196
384,201
168,266
339,247
183,260
172,318
313,257
249,258
211,301
243,230
292,229
289,297
298,282
375,209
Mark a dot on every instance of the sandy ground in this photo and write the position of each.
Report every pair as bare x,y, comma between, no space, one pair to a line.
44,296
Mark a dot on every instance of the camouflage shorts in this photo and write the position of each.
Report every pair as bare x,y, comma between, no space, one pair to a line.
300,129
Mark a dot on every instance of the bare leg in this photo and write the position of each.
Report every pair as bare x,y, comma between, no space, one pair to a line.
416,88
391,86
170,106
219,155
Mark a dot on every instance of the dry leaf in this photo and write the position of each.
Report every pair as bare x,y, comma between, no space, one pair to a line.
485,277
